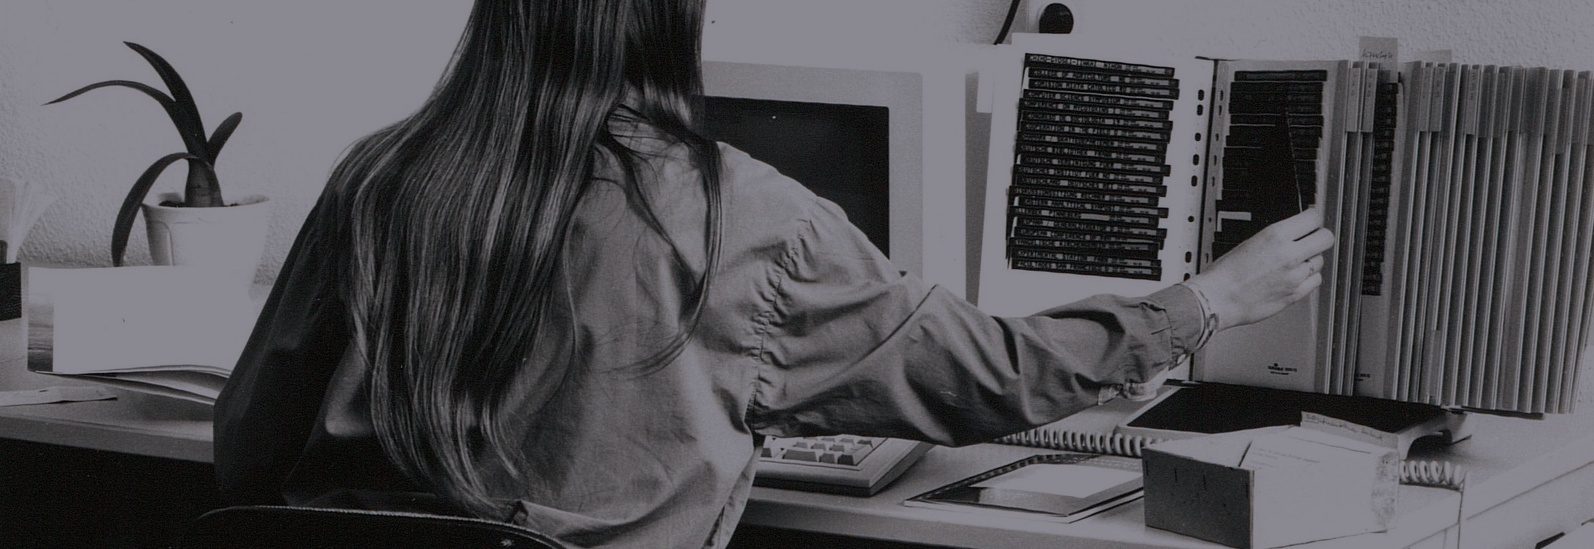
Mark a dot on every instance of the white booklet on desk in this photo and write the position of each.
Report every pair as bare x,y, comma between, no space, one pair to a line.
1064,488
174,331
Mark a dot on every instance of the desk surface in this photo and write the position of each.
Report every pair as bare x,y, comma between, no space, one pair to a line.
133,423
1507,458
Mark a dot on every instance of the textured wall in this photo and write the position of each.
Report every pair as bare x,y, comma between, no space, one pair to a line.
310,77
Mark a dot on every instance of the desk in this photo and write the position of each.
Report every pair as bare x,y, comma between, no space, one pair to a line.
134,423
1530,480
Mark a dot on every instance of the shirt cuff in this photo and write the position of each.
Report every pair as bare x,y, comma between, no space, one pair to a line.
1188,326
1187,317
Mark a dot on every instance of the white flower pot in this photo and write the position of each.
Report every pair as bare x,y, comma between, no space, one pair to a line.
232,238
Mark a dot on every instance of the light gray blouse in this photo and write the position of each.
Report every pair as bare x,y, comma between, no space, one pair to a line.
808,330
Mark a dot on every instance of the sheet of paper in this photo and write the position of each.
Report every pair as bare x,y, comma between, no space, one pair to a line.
108,319
1303,448
1349,430
1075,481
50,395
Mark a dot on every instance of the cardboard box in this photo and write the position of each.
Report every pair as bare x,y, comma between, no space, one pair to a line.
1270,487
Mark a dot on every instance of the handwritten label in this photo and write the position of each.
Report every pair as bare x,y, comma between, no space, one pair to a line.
1380,49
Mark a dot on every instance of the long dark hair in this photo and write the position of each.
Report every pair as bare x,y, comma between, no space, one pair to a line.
460,212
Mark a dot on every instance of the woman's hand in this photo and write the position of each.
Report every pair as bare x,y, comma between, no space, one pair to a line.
1266,273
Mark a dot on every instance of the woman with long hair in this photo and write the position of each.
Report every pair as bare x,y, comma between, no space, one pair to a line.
545,298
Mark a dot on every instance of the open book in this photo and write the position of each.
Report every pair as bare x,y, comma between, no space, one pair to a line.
173,331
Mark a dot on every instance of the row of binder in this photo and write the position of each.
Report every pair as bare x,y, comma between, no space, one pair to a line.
1487,294
1460,195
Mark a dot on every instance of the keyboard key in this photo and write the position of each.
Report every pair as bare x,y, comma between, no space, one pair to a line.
843,464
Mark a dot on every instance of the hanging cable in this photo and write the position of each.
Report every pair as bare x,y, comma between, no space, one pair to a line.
1012,13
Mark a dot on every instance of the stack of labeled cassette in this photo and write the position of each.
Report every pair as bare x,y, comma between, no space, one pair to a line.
1090,158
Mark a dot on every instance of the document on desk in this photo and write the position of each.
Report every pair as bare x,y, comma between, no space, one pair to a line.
175,331
1055,487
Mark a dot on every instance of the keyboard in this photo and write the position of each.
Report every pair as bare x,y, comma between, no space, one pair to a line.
843,464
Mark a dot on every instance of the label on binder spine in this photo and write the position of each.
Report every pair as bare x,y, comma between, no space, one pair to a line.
1094,154
1048,159
1095,217
1245,76
1094,131
1055,255
1146,273
1093,64
1121,248
1088,185
1064,194
1110,89
1102,77
1089,227
1090,175
1157,149
1088,120
1093,99
1151,214
1097,110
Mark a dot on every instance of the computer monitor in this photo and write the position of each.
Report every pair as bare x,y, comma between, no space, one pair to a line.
886,145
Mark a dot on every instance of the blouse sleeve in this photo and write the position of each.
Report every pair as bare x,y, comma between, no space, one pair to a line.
267,409
854,346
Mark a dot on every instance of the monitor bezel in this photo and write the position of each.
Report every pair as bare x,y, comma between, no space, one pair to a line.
928,182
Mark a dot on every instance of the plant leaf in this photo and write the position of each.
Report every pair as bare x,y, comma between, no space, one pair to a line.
202,189
135,196
187,118
165,100
170,105
222,133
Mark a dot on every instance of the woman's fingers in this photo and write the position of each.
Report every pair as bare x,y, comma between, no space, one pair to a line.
1316,242
1301,271
1307,286
1266,273
1300,225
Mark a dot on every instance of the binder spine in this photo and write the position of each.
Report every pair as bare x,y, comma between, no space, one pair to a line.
1074,441
1437,474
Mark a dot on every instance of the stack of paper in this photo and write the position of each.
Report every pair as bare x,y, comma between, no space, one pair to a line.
175,331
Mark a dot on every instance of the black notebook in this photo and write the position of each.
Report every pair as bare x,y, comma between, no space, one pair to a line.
1054,487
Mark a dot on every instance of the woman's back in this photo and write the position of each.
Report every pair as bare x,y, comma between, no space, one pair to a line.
808,329
527,302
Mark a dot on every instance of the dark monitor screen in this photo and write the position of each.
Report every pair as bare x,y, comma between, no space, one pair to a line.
840,152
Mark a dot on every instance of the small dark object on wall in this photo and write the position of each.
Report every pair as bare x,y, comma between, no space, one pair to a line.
1056,19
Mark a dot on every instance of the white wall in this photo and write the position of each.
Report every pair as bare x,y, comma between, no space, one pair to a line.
312,76
309,77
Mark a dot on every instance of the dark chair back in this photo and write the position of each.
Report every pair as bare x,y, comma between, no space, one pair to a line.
273,527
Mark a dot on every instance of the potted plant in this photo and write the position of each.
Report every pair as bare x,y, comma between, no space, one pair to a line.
195,227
